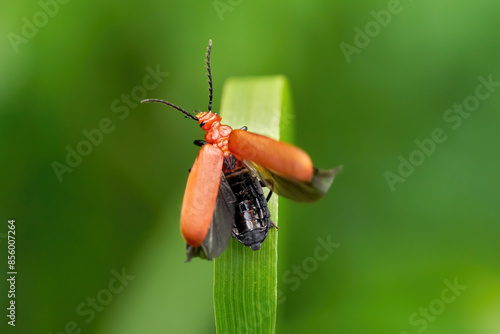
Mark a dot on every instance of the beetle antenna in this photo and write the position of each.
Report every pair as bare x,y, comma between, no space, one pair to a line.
209,75
188,115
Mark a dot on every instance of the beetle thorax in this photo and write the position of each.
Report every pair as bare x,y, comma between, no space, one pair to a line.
216,134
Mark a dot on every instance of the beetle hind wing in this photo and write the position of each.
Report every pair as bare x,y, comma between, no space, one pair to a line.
295,190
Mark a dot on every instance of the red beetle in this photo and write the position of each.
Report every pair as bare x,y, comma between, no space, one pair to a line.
224,194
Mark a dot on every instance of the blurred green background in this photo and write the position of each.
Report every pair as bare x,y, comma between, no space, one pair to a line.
401,245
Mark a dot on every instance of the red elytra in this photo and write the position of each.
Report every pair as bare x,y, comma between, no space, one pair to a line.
200,195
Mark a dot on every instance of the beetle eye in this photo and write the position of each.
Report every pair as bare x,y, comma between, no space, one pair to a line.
202,123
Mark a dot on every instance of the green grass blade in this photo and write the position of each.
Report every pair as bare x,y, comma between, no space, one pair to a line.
245,281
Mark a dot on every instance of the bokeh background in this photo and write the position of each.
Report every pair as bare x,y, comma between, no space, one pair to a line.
117,212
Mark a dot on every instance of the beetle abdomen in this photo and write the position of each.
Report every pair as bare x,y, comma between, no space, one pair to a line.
252,217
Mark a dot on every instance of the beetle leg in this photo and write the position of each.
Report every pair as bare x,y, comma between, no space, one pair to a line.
269,195
229,162
199,142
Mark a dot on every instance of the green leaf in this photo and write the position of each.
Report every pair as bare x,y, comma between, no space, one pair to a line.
245,281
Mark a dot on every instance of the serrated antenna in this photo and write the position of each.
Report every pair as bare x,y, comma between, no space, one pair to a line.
209,75
188,115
